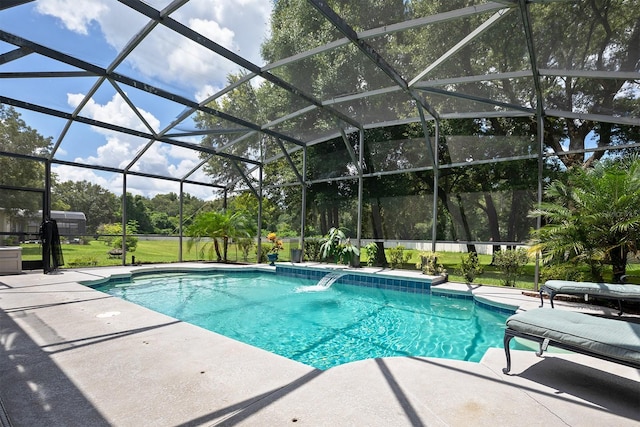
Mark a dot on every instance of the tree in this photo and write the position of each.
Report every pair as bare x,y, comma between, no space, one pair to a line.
111,235
247,202
597,36
17,137
593,218
137,211
478,201
99,205
164,211
161,223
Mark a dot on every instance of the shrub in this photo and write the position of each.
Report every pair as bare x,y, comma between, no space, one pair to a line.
111,234
398,257
266,247
131,243
429,264
563,272
85,261
371,250
312,249
470,267
11,241
511,263
245,244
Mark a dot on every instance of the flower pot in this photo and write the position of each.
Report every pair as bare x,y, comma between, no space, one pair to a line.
296,255
272,258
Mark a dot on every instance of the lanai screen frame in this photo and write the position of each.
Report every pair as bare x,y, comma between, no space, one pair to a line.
414,89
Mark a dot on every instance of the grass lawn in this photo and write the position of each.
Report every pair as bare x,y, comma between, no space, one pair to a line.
95,253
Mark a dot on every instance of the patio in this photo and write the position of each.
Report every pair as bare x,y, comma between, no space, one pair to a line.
74,356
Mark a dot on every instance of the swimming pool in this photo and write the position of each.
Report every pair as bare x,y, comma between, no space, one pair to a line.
341,324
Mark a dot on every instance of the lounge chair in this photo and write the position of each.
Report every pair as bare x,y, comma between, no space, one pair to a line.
601,290
608,339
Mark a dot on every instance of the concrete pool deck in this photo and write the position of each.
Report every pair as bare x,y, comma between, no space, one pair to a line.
72,356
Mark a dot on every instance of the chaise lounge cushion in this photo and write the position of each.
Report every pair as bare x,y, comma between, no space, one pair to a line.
608,290
612,338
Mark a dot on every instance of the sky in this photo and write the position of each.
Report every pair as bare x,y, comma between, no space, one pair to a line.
95,31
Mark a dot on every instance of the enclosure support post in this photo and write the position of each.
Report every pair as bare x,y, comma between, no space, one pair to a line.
181,219
46,216
123,246
259,250
528,32
432,148
536,277
436,173
46,207
360,186
303,208
225,200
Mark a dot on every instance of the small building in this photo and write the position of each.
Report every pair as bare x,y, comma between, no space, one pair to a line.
70,223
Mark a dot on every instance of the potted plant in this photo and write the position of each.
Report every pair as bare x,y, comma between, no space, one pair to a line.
276,246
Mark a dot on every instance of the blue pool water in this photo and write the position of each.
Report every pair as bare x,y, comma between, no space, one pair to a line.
345,323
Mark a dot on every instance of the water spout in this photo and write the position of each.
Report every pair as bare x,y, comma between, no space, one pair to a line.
323,284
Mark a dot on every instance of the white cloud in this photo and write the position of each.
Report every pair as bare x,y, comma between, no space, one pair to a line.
75,15
181,64
116,112
205,92
239,26
119,149
69,173
212,30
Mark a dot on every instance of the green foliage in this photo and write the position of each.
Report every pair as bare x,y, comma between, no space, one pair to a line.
131,242
137,211
161,223
592,218
511,263
338,246
9,240
398,257
99,205
566,271
210,228
371,250
313,249
108,232
429,264
245,244
85,261
470,267
111,235
265,248
17,137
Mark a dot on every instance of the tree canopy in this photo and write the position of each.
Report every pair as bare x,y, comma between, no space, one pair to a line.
17,137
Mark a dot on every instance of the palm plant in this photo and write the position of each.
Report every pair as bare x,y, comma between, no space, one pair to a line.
218,226
593,218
